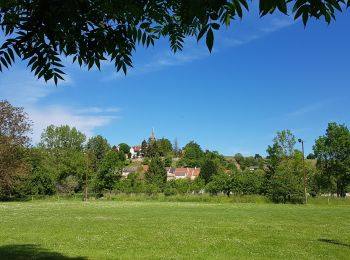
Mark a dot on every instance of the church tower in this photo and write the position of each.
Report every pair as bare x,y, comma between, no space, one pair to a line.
152,137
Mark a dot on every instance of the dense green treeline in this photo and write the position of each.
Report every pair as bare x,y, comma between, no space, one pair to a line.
66,162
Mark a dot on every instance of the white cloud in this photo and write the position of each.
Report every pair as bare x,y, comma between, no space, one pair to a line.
20,86
234,42
194,51
98,110
61,115
168,58
310,108
276,24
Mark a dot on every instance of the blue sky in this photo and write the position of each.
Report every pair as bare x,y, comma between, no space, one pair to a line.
264,75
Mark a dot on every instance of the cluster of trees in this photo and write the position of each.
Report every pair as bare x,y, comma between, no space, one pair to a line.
256,161
64,161
160,147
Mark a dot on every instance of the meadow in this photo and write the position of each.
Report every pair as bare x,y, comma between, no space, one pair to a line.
172,230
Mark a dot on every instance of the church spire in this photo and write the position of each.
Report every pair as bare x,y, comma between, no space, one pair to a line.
153,137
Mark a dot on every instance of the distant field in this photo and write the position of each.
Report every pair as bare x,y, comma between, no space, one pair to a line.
172,230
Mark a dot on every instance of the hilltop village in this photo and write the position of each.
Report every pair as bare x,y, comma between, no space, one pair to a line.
137,155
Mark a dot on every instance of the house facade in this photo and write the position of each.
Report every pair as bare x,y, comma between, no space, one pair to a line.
182,173
172,172
135,151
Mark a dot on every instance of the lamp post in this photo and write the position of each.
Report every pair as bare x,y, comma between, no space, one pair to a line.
302,148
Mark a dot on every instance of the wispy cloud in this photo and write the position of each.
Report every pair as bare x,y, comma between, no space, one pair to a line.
276,24
229,42
61,115
164,59
194,51
22,89
310,108
168,59
98,110
259,31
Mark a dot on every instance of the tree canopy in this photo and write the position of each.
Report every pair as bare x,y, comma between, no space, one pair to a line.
62,137
43,31
332,151
14,127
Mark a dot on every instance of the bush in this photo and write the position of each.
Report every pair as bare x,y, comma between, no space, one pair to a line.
151,189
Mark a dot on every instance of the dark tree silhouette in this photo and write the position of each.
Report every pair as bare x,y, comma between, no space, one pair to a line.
42,31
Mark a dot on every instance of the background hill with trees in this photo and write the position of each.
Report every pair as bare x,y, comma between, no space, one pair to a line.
66,162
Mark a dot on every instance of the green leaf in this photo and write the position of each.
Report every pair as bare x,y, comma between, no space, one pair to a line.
97,62
31,60
119,65
282,6
327,17
144,38
238,8
59,76
15,47
336,5
7,57
210,39
124,68
299,12
245,4
297,5
4,62
10,52
202,32
215,26
305,17
59,71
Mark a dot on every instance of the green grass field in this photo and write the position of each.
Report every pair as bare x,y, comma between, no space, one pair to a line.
172,230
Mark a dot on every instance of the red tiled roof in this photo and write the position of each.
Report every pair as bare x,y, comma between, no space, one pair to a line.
196,172
180,170
136,148
188,172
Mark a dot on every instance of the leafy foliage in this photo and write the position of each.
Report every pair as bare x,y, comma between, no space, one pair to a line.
332,151
124,148
64,147
193,155
62,137
164,147
109,171
208,170
97,147
286,183
14,169
42,179
41,32
156,173
221,183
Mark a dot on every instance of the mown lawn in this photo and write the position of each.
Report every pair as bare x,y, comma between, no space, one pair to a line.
171,230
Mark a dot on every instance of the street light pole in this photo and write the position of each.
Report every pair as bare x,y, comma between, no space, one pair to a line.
86,175
302,148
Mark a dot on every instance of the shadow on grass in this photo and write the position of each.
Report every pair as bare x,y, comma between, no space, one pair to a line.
23,252
333,241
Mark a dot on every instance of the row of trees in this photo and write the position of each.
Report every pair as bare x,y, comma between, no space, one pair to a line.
64,161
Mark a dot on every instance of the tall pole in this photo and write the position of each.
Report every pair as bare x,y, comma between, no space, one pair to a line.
302,148
86,176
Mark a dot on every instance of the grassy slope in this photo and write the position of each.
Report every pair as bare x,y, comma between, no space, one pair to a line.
129,230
